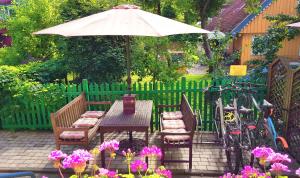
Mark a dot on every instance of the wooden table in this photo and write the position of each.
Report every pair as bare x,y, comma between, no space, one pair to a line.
116,120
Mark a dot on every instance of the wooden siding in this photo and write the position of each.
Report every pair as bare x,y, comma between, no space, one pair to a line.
246,51
290,48
260,25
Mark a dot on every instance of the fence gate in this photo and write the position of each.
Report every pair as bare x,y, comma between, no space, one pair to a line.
284,94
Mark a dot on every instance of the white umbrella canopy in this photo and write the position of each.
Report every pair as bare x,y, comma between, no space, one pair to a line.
123,20
296,25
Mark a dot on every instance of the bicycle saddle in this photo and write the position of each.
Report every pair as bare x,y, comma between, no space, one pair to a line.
245,110
266,104
228,108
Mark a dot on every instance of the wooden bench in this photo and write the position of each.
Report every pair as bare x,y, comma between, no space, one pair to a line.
177,128
63,123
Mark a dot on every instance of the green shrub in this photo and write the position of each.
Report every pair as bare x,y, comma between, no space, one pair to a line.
45,72
16,91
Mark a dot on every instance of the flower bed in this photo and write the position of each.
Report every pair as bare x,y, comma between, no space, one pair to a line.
138,168
270,163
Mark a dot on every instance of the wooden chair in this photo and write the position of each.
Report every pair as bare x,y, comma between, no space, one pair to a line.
177,129
63,120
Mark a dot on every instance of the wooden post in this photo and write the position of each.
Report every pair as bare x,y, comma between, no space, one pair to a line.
183,84
85,88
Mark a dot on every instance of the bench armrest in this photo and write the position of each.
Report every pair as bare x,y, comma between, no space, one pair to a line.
99,103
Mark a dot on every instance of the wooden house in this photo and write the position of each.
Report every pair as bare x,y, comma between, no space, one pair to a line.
245,27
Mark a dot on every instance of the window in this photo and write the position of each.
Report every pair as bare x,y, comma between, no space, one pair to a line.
251,52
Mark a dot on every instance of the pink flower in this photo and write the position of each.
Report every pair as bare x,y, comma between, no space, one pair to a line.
298,172
138,166
228,175
107,173
44,177
249,171
110,146
56,155
278,158
77,160
262,152
164,172
153,151
279,168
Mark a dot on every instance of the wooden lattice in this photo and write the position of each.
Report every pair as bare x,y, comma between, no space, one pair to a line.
277,87
284,94
293,130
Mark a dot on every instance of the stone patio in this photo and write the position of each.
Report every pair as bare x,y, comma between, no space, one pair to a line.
28,151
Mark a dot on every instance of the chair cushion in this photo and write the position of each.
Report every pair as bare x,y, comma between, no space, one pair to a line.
173,124
72,135
85,122
176,138
172,115
93,114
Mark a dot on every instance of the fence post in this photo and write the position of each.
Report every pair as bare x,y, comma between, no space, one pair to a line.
183,84
85,87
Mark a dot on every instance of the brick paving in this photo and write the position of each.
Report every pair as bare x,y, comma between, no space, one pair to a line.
28,150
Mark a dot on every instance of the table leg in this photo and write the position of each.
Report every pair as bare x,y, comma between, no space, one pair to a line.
130,137
102,152
147,143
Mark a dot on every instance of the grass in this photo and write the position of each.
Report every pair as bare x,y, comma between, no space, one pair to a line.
197,77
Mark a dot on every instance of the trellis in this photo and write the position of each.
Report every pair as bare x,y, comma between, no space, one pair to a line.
284,94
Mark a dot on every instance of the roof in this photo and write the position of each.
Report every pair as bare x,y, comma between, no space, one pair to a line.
229,17
233,18
250,17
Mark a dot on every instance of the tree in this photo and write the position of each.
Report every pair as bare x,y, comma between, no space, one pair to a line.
99,59
205,9
27,17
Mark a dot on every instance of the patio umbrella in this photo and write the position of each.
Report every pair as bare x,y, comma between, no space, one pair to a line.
123,20
296,25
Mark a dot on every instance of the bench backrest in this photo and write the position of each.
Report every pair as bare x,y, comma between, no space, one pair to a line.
189,117
68,114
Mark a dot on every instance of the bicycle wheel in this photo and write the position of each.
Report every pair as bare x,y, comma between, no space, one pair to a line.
217,122
233,154
264,135
248,142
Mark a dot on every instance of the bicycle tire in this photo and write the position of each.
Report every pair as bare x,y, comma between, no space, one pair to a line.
248,157
233,155
217,122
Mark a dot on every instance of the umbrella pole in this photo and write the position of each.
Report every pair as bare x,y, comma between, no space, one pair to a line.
128,60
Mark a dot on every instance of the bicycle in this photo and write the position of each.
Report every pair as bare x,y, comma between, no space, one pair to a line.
266,131
227,128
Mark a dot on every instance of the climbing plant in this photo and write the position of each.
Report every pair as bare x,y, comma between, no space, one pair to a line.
270,43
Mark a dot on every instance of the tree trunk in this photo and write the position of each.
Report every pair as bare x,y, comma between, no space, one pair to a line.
158,8
204,20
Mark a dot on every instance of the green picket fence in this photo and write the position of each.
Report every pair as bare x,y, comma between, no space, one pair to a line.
36,115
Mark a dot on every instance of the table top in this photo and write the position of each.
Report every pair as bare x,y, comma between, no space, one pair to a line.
116,118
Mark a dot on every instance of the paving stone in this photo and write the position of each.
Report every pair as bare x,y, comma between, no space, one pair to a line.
30,149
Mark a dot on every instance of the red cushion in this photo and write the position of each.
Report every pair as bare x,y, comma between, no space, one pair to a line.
72,135
176,138
173,124
93,114
85,122
172,115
